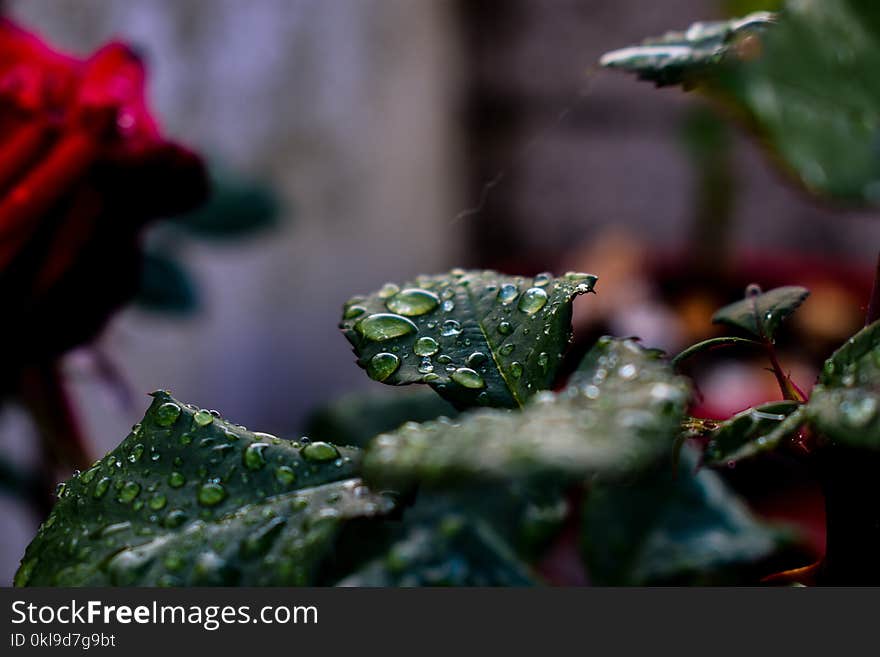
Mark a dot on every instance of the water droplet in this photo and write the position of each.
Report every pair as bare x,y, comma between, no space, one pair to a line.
476,359
128,492
203,418
425,366
504,328
353,311
320,451
211,494
543,361
450,328
384,326
413,302
444,359
428,378
388,290
252,457
157,502
89,474
136,452
628,372
448,306
591,392
753,290
507,349
285,475
426,346
532,300
542,279
167,414
175,518
382,365
187,438
516,369
101,487
507,293
176,480
468,378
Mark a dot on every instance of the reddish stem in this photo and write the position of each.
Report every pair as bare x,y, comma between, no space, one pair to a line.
44,394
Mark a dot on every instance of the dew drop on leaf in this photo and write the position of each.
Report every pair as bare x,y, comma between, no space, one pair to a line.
384,326
507,293
412,302
426,346
167,414
203,418
285,475
211,494
128,492
157,502
532,300
382,365
450,328
101,487
468,378
320,451
252,457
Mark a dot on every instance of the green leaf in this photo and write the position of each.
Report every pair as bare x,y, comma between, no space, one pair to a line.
188,499
761,313
165,285
477,337
622,411
709,345
687,528
357,418
235,208
844,405
814,96
752,431
452,550
686,57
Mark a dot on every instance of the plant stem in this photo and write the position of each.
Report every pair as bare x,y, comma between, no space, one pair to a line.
789,389
43,392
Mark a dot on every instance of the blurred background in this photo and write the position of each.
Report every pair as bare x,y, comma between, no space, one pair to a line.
402,137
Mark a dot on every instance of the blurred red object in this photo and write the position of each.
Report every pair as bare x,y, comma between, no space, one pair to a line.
83,166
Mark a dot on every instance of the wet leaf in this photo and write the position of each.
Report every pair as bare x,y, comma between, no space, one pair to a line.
751,432
813,95
452,550
687,528
844,405
761,313
476,337
687,57
709,345
622,410
188,498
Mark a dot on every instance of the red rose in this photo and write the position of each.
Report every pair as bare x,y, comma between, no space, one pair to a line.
83,166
